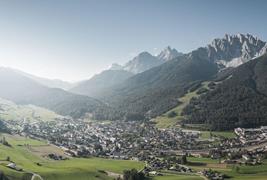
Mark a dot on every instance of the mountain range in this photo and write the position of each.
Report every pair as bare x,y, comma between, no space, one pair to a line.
229,51
157,90
24,90
52,83
148,86
116,74
239,99
234,50
144,60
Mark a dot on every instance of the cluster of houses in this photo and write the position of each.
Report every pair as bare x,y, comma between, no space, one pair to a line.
213,175
155,165
245,156
252,136
135,140
118,140
56,157
248,147
14,166
158,165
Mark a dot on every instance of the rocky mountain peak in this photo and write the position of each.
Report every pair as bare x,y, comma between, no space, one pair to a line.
168,53
116,66
234,50
144,54
142,62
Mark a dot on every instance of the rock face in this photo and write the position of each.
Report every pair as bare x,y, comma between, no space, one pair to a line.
168,54
263,50
233,50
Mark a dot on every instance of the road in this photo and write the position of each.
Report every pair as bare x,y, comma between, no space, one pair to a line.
36,175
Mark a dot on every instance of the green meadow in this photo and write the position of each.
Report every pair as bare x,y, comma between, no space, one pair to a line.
257,172
74,168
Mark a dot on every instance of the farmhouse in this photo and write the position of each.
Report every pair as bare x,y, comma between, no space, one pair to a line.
14,166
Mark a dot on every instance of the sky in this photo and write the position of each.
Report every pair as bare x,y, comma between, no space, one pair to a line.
74,39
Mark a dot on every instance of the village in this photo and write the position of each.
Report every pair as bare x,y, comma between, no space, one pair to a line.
161,149
119,139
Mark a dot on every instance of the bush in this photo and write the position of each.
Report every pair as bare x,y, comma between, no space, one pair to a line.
172,114
133,174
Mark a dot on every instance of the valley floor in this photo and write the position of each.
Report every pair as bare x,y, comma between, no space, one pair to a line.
30,155
23,153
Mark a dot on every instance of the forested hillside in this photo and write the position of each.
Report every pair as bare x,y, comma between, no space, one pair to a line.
157,90
240,100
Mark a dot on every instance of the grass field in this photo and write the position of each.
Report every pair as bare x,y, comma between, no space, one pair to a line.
258,172
86,168
226,134
164,121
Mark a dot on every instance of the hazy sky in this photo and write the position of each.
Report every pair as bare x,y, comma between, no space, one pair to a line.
74,39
